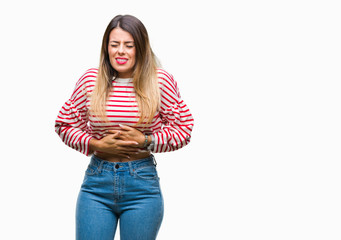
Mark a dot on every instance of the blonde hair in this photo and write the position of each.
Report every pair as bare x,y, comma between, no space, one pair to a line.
144,75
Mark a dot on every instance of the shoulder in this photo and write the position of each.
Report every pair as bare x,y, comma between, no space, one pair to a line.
163,75
166,80
88,78
86,82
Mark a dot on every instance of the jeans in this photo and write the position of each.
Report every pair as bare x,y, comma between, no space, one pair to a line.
128,192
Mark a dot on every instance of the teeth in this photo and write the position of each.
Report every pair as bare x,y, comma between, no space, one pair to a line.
121,60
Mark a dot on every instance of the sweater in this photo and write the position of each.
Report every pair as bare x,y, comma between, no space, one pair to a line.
171,126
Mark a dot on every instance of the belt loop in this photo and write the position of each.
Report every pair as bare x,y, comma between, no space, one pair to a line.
154,160
100,166
131,170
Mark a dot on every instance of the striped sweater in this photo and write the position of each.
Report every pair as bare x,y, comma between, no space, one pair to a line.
171,126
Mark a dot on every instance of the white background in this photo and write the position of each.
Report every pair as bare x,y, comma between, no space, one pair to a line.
262,79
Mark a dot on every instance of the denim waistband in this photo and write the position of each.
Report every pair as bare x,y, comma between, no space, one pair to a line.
122,166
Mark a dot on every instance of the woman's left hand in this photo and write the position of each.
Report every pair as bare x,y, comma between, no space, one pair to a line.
129,134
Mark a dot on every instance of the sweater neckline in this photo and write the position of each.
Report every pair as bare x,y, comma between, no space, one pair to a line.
123,80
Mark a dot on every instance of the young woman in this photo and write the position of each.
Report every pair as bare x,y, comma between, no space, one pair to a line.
120,113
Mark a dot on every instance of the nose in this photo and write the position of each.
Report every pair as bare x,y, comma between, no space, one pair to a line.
121,49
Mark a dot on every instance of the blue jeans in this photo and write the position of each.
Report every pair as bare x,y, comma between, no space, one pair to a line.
128,192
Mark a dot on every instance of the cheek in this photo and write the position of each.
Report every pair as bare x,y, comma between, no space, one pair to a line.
133,60
132,53
111,53
112,58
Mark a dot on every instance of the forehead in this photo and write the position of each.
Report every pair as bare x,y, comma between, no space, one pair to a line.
118,34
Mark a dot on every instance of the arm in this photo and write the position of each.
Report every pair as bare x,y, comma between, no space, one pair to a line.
126,133
114,145
72,124
177,120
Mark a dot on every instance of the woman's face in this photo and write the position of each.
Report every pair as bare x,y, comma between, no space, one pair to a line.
122,52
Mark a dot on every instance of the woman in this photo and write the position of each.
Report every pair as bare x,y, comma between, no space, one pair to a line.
119,114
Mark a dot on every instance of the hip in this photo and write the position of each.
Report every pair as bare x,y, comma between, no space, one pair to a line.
124,181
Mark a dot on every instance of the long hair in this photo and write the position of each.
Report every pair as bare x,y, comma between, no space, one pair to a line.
144,71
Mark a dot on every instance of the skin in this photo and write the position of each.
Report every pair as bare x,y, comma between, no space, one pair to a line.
121,46
125,143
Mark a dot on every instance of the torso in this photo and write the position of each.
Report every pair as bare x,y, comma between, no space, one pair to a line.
115,158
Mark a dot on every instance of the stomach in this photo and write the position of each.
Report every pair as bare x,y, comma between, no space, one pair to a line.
116,158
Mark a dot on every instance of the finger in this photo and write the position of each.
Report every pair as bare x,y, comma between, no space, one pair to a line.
125,127
127,151
110,135
116,135
122,133
128,148
128,144
111,131
130,152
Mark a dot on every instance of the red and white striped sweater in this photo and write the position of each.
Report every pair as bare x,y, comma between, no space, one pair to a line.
171,126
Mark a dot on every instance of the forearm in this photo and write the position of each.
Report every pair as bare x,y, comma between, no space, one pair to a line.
94,145
171,139
73,137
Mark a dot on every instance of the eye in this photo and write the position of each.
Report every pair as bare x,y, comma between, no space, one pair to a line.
130,46
113,45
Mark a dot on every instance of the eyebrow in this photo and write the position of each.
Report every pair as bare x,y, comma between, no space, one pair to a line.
124,42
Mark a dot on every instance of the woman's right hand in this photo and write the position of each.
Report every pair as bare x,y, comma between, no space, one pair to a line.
111,144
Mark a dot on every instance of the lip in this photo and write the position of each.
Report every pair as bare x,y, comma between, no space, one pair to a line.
121,61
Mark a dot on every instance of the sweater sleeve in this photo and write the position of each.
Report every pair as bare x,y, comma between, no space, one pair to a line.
72,121
177,120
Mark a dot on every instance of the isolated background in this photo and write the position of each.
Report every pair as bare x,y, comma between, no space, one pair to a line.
262,79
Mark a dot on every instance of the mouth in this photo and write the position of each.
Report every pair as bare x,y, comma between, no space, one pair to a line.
121,60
